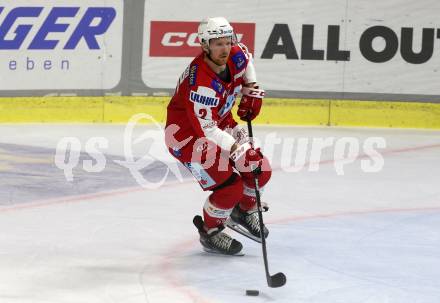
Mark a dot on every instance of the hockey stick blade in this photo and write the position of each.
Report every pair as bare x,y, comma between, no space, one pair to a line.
277,280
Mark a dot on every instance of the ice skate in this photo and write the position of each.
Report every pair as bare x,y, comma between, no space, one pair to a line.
216,241
246,223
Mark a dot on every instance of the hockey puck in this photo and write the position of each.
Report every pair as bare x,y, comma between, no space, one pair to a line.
252,292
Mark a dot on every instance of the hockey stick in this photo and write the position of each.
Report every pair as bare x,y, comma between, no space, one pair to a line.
278,279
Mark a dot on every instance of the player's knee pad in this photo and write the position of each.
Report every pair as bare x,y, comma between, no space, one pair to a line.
219,204
229,193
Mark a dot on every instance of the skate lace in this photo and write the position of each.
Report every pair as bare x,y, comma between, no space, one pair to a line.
222,240
253,221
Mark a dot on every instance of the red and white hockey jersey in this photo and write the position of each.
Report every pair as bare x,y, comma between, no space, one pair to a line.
202,103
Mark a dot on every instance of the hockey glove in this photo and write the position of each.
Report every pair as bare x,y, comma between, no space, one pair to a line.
247,159
250,103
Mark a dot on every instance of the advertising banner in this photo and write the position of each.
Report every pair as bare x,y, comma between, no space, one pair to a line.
60,44
391,47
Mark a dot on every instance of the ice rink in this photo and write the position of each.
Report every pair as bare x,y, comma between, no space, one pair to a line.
356,237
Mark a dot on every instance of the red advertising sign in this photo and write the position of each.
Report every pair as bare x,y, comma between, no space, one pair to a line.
179,38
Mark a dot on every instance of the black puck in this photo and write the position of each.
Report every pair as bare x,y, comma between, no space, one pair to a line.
252,292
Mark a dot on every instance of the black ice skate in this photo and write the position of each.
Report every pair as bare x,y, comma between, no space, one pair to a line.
247,223
216,241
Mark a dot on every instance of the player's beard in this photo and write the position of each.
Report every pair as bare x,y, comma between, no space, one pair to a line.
221,60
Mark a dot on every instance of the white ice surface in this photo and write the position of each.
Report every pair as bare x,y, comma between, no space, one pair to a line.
361,237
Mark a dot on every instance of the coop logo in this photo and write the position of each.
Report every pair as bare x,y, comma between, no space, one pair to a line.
48,28
179,38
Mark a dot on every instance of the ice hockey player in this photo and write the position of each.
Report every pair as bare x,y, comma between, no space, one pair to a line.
202,134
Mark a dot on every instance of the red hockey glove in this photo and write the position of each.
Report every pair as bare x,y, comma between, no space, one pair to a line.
247,158
250,103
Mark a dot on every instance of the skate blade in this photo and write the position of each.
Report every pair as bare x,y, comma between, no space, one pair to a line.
216,252
238,228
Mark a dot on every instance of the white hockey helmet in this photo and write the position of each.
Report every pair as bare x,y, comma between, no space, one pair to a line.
212,28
